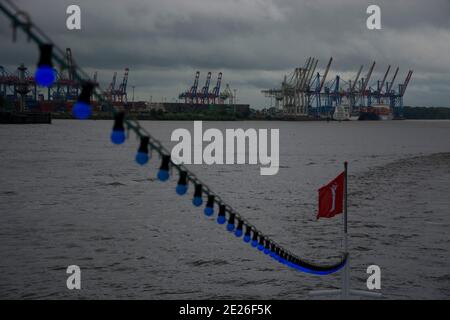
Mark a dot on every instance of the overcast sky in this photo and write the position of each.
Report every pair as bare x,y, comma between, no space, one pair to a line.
253,42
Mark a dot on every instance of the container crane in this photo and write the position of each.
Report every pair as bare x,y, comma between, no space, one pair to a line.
396,100
193,91
405,84
72,85
112,85
296,90
380,86
309,75
364,83
325,75
216,89
368,76
389,88
336,85
191,94
300,75
352,88
66,86
205,89
109,93
122,91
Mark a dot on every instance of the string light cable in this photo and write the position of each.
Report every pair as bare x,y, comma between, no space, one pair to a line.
235,223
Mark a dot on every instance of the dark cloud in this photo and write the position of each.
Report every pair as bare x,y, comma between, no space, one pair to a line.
254,42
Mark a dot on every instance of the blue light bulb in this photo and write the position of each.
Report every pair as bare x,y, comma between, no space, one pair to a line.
209,211
181,189
238,233
82,110
230,227
45,76
266,250
221,219
163,175
254,243
141,158
118,136
247,238
260,247
197,201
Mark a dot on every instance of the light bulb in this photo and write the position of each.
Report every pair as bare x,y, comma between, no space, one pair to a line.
209,208
142,156
82,110
45,76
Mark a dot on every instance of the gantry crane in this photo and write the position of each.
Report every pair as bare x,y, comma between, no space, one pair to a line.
203,96
298,94
215,95
112,86
190,96
205,90
123,85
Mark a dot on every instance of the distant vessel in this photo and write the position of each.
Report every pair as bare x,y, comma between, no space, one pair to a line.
376,112
341,112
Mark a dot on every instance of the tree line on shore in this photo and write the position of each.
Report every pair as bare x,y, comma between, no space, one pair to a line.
426,113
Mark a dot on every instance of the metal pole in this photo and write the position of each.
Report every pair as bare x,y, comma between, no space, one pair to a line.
346,273
235,90
345,200
345,292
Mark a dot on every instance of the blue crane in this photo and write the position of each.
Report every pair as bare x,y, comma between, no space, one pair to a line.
193,91
216,90
205,89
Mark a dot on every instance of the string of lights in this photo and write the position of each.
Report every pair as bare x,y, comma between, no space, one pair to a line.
235,223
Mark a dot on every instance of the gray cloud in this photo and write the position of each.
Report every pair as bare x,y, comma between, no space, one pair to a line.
254,42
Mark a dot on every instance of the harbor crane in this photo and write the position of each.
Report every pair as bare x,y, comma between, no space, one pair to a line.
301,95
216,90
205,90
388,90
191,95
112,85
123,87
203,96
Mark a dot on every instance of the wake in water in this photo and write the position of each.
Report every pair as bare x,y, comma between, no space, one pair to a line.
404,208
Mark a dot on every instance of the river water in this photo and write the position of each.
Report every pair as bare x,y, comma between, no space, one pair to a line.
70,197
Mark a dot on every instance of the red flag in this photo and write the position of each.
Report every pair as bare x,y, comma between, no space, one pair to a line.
331,198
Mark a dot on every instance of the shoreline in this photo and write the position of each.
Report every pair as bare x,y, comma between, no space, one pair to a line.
186,117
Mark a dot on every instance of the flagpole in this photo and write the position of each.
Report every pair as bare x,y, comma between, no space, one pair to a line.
345,292
345,203
346,273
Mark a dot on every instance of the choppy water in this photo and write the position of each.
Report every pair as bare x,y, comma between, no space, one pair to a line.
67,196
